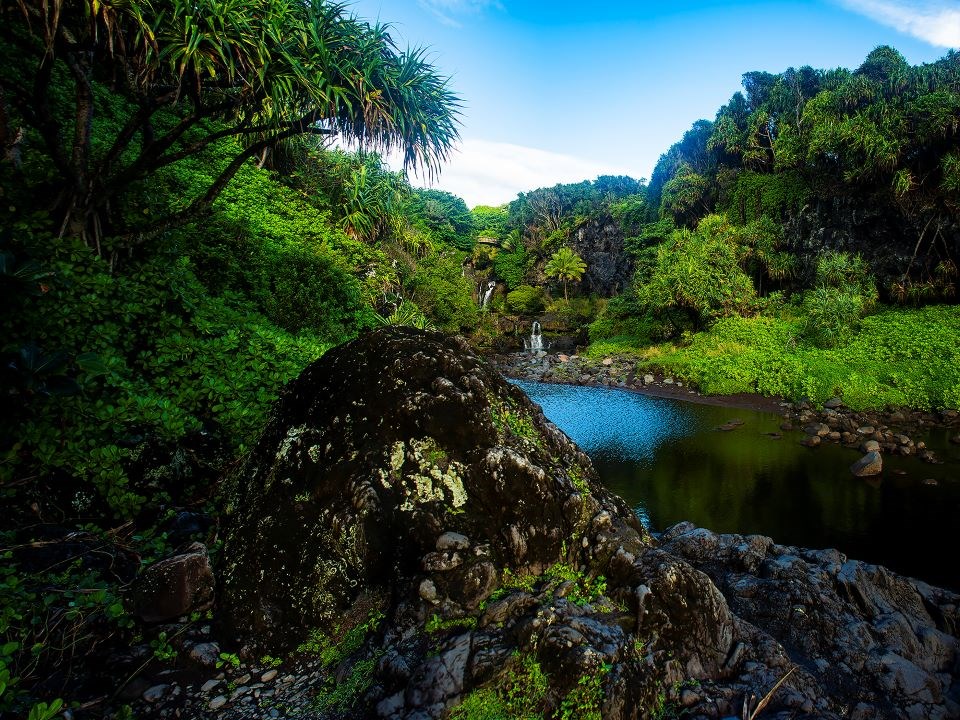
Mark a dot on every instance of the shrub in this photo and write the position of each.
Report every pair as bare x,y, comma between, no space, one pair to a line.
526,300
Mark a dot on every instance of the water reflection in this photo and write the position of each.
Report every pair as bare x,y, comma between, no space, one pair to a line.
670,461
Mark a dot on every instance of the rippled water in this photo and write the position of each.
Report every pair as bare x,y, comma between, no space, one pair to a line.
669,460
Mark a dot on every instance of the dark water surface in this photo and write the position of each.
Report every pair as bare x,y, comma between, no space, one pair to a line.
669,461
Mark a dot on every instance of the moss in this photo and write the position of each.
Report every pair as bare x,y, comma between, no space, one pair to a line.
519,693
437,624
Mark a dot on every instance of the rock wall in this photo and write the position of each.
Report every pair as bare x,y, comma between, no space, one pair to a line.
402,479
884,237
600,243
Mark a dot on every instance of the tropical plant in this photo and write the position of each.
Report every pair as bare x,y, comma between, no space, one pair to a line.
565,265
186,75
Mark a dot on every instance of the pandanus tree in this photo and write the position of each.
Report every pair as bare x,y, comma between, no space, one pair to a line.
565,265
237,75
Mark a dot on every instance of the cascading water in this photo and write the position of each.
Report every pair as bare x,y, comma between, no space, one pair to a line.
535,343
487,294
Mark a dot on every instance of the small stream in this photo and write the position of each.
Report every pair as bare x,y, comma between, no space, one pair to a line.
669,461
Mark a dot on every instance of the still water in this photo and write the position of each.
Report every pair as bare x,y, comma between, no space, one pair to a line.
669,461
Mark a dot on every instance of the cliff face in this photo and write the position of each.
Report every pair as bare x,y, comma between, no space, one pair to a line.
609,267
893,242
417,520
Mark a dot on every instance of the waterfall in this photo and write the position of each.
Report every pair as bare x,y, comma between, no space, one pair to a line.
485,295
536,339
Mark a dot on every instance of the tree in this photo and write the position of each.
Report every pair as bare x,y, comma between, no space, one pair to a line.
566,265
194,75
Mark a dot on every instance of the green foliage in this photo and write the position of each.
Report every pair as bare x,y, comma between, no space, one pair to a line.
885,363
511,266
265,70
445,215
699,274
47,618
333,650
519,694
436,624
526,300
490,222
585,700
443,294
845,292
566,265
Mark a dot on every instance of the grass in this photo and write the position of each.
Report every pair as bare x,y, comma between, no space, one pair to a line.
900,357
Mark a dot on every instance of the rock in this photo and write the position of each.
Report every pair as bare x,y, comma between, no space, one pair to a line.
866,430
955,439
428,591
649,379
811,441
176,586
206,654
452,541
268,676
833,403
607,362
209,686
397,438
155,693
869,465
563,358
668,381
869,446
218,702
818,429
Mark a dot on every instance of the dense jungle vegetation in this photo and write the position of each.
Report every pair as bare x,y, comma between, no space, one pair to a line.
179,239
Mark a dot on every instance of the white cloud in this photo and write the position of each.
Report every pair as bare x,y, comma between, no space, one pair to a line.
483,172
934,21
446,10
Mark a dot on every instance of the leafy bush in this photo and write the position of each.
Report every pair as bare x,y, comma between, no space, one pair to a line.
443,294
526,300
511,266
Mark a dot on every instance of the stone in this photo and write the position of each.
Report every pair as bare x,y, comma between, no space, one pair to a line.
218,702
176,586
563,358
392,466
869,465
668,381
268,676
818,429
649,379
607,362
833,403
209,686
452,541
869,446
428,591
206,654
811,441
155,693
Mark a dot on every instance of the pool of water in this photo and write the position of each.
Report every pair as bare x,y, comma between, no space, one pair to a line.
669,460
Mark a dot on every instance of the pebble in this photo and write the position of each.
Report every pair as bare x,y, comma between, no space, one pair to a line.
218,702
268,676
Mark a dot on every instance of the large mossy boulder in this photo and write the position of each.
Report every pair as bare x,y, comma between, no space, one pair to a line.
401,456
436,548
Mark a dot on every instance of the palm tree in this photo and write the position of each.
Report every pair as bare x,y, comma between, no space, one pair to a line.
195,75
566,265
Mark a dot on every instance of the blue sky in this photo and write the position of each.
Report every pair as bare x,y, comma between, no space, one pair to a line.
562,91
